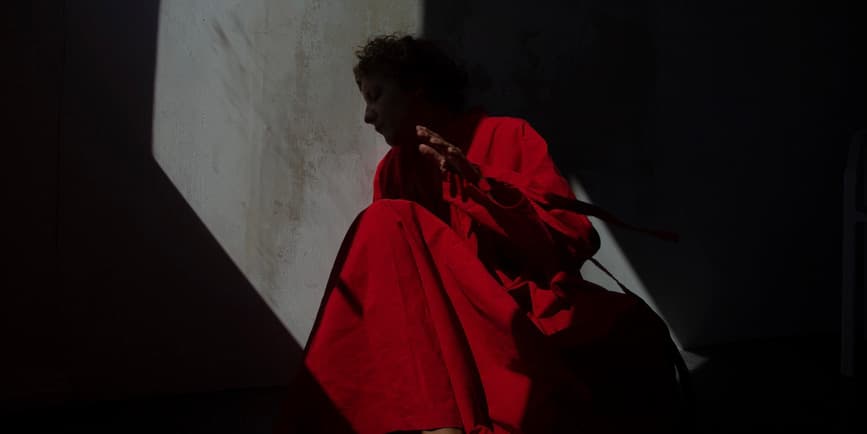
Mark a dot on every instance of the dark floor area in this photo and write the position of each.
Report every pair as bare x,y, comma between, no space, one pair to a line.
775,386
249,411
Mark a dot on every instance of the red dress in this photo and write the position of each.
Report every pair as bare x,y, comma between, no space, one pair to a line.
459,305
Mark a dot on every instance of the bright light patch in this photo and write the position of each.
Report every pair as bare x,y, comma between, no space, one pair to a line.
258,123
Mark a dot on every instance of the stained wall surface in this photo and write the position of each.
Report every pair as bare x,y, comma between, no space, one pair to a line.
258,122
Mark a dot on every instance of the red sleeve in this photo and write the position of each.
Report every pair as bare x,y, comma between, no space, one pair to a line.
515,194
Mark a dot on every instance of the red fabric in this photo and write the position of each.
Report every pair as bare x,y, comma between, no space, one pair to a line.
452,305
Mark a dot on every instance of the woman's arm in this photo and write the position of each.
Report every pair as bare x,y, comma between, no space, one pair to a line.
516,194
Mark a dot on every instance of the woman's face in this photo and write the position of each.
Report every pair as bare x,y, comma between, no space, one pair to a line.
393,111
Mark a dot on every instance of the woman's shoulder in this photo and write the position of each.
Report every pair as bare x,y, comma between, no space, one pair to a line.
504,122
506,127
510,131
477,119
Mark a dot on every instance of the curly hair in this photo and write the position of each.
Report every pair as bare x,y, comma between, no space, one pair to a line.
414,63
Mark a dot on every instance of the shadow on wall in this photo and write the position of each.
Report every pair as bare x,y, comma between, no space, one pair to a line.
724,122
135,298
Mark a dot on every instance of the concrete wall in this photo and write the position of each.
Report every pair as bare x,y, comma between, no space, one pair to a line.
258,123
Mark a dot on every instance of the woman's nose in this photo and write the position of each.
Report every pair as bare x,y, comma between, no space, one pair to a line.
369,115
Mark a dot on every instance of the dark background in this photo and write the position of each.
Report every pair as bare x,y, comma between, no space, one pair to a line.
727,121
123,313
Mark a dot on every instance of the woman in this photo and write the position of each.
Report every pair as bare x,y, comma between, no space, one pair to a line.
455,304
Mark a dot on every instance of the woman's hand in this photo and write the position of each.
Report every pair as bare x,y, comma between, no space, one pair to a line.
449,157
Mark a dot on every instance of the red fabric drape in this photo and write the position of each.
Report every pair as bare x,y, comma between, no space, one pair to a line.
458,304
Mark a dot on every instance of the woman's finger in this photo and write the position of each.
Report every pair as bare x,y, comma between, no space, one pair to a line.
449,156
429,151
439,158
433,154
422,130
433,139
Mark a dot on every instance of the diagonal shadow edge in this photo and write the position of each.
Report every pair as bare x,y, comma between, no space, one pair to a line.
147,302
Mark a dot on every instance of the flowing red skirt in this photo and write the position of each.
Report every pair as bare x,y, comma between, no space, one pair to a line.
415,333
